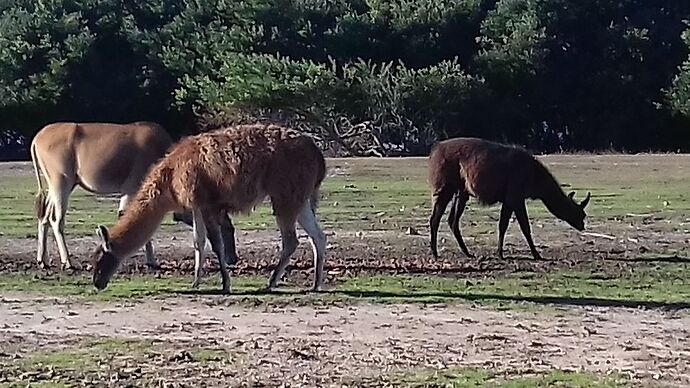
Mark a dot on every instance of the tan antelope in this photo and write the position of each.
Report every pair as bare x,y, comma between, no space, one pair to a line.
101,158
225,171
492,172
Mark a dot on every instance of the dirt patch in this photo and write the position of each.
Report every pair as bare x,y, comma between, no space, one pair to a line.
328,345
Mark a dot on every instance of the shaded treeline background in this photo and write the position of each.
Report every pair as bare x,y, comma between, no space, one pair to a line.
365,76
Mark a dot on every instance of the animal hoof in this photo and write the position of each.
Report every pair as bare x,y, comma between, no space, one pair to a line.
43,265
71,267
154,266
317,289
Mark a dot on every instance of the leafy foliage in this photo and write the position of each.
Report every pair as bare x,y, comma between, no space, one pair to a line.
553,74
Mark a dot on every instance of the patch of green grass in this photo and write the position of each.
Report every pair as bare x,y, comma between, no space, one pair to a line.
646,286
122,287
476,378
663,286
87,360
393,193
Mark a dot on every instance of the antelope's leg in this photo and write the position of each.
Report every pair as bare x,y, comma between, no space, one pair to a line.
199,228
227,231
288,236
213,227
43,226
59,201
307,219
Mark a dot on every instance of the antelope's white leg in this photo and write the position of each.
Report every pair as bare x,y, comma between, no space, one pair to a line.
289,241
43,225
199,244
307,219
57,220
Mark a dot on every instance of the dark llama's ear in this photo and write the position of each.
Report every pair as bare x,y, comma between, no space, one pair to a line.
571,195
103,233
586,200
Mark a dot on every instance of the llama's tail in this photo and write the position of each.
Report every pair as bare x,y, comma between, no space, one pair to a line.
40,201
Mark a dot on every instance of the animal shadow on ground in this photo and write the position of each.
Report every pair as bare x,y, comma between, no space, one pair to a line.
552,300
656,259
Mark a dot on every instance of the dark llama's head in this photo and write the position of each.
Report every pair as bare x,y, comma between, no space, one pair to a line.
574,214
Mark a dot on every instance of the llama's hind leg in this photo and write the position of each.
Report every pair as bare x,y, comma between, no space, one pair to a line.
457,208
439,202
523,220
227,231
213,227
288,236
307,219
199,227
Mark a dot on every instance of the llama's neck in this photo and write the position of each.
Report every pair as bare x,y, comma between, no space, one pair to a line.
551,194
138,224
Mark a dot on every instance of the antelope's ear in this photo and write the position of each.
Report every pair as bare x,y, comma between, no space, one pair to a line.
586,200
571,195
103,233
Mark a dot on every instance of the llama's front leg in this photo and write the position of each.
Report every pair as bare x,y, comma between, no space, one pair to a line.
504,220
199,228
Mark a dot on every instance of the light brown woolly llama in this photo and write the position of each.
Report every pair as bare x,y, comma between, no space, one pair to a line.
492,172
226,171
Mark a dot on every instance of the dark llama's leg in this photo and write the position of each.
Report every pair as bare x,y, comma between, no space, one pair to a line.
288,235
213,231
439,202
504,220
457,208
523,220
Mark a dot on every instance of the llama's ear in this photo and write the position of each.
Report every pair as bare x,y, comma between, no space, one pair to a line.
103,233
586,200
571,195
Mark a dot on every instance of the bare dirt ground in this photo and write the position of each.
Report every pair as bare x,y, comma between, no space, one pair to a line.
347,344
329,346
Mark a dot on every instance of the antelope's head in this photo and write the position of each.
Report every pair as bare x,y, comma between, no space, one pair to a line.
575,215
105,263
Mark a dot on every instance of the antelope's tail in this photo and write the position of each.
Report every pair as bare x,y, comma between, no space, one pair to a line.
40,201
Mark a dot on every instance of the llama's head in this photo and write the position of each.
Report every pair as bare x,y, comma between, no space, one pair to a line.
574,214
105,263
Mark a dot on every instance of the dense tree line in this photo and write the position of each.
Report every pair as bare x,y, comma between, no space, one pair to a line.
366,76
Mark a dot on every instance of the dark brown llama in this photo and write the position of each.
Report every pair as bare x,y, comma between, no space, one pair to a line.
492,172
